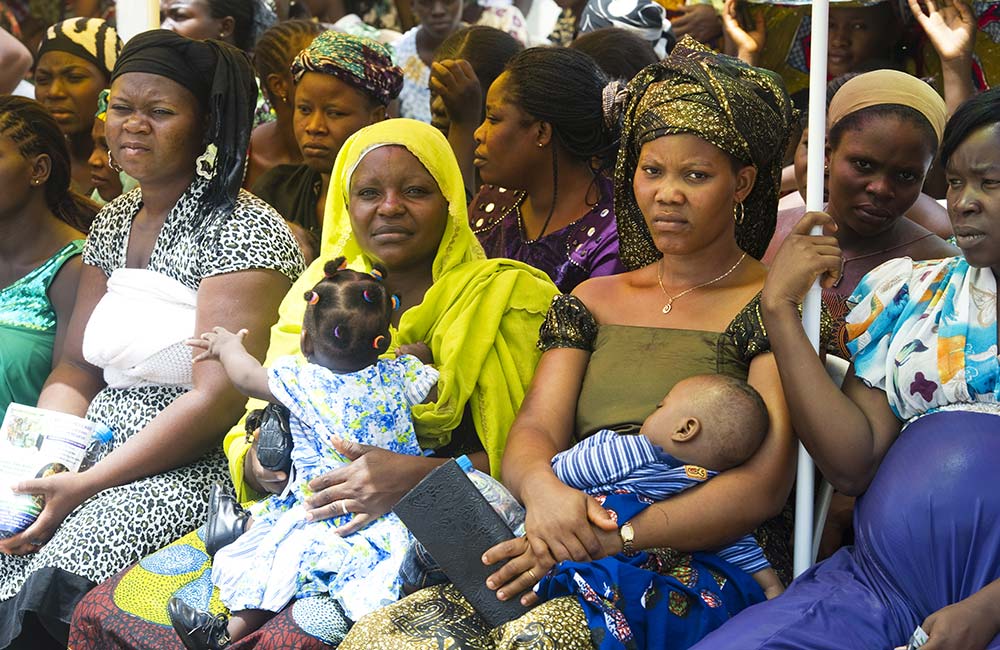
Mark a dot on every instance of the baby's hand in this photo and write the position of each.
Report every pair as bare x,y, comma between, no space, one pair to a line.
420,350
214,343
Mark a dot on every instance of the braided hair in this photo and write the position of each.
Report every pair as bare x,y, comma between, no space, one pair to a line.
244,13
348,315
565,88
34,131
279,45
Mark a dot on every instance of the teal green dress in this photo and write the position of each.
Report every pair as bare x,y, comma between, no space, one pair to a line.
28,330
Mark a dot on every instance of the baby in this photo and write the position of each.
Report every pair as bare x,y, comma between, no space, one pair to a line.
341,390
705,425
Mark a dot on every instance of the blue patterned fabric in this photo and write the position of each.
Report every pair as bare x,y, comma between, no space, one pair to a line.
285,556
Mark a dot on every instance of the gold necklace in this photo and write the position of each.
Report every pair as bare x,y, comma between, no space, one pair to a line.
670,299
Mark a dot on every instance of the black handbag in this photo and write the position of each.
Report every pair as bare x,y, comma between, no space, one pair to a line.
274,440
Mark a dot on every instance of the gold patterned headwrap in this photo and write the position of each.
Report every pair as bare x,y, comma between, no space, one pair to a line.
743,110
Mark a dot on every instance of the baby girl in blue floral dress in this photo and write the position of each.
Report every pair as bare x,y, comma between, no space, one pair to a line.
340,389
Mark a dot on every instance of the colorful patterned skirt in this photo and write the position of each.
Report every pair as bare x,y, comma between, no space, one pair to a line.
130,609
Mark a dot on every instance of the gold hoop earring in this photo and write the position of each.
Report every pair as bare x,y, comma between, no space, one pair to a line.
739,213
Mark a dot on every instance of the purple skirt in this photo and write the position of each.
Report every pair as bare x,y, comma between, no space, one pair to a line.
927,536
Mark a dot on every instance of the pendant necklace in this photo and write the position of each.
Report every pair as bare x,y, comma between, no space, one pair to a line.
670,299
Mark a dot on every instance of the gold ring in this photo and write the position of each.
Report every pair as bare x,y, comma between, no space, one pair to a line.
532,574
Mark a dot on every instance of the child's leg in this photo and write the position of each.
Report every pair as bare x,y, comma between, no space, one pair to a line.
245,621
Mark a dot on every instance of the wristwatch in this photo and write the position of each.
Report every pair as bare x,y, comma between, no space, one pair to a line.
627,535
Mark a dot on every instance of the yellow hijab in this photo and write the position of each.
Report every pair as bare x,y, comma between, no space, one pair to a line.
480,317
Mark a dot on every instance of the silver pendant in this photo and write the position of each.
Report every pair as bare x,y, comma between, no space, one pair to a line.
667,307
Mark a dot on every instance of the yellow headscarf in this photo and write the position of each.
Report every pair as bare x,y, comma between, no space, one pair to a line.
480,317
888,87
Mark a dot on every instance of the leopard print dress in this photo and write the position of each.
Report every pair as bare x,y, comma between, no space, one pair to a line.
123,524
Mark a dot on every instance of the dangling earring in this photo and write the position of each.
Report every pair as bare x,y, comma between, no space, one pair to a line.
738,213
204,165
113,165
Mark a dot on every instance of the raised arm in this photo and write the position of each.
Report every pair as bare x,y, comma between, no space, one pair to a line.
846,432
951,29
15,61
455,82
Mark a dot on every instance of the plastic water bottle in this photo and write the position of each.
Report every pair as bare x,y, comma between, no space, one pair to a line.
98,447
502,501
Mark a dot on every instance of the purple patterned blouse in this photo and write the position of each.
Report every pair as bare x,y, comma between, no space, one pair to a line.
585,248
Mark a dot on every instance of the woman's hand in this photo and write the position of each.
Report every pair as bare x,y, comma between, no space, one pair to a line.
962,626
215,343
745,45
369,486
456,83
951,28
62,492
524,568
801,259
700,21
260,478
561,522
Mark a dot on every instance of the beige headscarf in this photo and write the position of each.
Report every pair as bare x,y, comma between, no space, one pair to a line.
888,87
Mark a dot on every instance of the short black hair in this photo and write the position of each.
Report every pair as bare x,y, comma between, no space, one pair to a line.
976,113
621,53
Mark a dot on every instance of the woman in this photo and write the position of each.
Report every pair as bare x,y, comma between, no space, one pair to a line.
43,226
884,128
438,19
184,249
109,183
921,392
464,67
342,83
273,143
237,22
614,347
540,151
74,64
478,317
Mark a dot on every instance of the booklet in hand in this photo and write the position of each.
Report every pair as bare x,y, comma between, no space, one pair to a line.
35,443
455,523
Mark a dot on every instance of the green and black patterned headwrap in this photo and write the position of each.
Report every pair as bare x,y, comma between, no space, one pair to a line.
355,60
743,110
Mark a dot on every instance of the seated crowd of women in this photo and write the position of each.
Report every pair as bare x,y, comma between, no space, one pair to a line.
563,250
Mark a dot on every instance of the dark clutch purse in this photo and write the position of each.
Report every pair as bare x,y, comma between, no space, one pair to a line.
274,440
456,525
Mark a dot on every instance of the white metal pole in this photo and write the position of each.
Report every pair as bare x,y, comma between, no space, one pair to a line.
805,489
135,16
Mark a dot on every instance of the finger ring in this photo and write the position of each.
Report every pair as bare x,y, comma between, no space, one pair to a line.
532,574
343,508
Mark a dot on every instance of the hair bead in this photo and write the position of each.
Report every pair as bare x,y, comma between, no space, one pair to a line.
378,341
313,298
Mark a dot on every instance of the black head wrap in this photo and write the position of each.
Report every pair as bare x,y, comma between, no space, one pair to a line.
743,110
221,77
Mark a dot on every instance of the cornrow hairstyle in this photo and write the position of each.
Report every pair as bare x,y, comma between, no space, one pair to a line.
34,131
348,314
978,112
564,87
279,45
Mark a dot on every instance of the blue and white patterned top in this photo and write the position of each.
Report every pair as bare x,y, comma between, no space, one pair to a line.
608,462
284,555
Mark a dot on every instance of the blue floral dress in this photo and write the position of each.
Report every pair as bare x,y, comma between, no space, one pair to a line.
284,556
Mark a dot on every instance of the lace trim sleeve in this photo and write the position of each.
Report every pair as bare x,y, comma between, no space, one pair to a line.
568,324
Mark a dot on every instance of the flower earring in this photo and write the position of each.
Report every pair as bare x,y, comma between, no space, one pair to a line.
205,163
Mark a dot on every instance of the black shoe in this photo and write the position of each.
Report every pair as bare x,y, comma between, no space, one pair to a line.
226,520
198,630
274,442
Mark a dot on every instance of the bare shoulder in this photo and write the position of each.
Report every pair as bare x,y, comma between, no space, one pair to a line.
929,246
604,295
